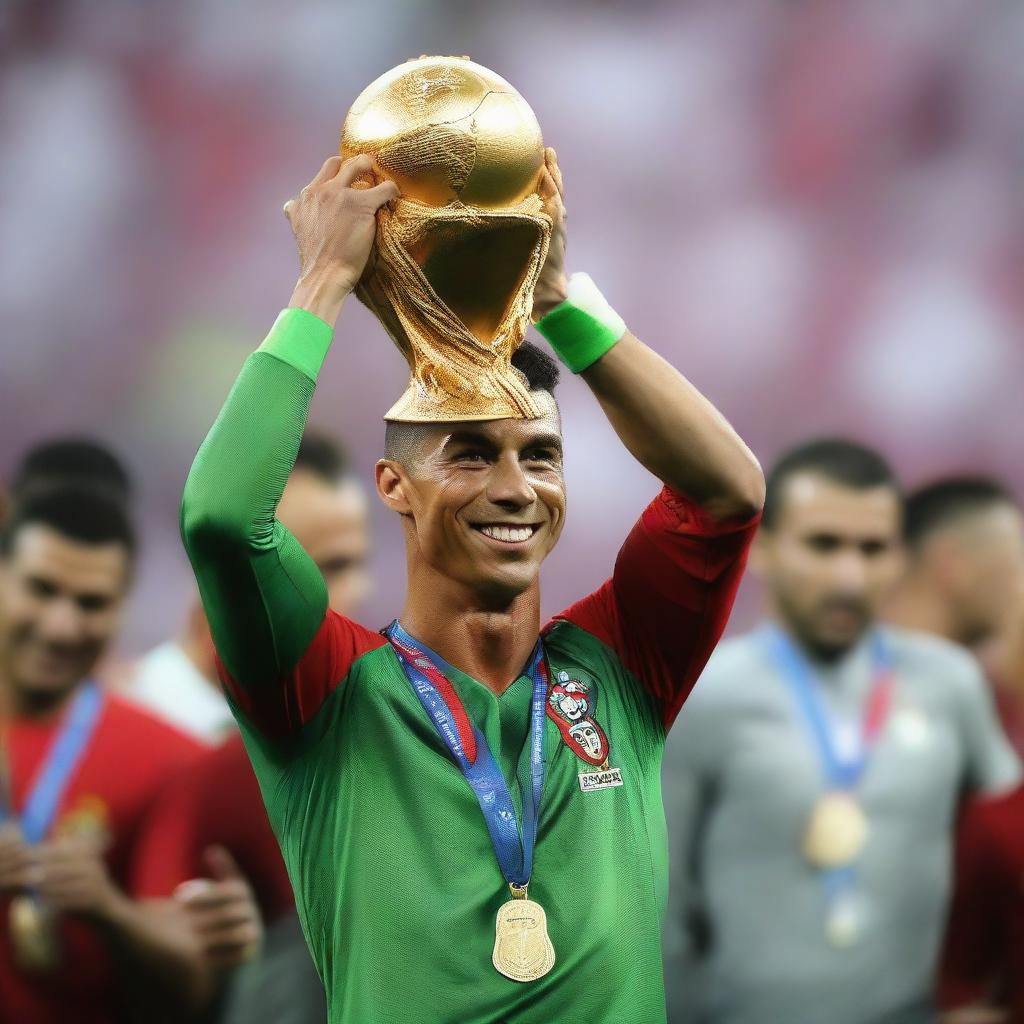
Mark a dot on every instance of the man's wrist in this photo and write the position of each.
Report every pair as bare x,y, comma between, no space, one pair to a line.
301,339
583,327
550,298
114,908
320,293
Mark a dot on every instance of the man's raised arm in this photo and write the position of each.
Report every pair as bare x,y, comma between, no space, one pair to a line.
668,426
264,596
676,575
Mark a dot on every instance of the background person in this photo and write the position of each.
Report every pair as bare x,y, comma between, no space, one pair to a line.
813,778
85,485
965,578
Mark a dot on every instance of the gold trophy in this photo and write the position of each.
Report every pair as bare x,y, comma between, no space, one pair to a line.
457,255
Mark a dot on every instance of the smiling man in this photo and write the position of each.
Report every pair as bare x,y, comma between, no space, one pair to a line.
78,767
364,742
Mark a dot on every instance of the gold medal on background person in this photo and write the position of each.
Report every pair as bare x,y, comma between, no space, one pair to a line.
522,947
837,831
33,933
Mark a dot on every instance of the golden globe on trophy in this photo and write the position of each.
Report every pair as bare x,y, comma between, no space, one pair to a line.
457,255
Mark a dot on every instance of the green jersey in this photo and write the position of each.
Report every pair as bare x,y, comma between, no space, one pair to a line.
396,881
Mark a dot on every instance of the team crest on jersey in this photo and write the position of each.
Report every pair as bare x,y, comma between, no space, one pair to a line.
88,819
571,705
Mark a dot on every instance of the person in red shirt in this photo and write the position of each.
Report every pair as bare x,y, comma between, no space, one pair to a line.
982,977
214,801
80,768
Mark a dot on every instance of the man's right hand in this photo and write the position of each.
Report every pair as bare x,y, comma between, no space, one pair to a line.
18,867
334,221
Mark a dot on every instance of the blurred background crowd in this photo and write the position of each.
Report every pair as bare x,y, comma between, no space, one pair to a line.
813,209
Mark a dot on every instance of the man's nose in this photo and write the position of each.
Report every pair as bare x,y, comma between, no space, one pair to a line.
61,622
508,484
850,571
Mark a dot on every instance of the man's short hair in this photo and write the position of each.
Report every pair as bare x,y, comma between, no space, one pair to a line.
942,503
836,459
323,456
542,373
540,370
78,461
77,512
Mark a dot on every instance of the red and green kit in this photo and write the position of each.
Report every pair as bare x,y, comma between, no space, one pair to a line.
395,875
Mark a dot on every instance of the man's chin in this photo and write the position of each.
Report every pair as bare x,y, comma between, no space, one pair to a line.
505,585
829,645
42,684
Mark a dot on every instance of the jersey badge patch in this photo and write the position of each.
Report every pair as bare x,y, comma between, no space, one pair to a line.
571,705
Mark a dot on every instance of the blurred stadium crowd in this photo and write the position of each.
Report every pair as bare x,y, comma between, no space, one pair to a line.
813,209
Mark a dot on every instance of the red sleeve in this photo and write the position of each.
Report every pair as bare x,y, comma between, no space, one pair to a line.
218,802
288,703
976,932
670,595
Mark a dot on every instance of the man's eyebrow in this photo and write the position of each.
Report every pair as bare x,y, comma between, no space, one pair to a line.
468,437
546,440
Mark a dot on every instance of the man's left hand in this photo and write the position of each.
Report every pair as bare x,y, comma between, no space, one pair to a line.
73,878
222,912
550,290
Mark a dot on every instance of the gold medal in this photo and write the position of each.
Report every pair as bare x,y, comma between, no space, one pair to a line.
522,948
33,934
837,831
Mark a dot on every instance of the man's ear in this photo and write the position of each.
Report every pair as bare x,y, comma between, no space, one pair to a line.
391,486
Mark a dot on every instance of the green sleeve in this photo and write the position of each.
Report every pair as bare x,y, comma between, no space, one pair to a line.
263,595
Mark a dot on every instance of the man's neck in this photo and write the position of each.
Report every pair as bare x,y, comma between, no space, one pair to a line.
828,660
491,644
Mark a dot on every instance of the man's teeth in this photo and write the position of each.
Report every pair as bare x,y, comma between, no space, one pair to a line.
511,534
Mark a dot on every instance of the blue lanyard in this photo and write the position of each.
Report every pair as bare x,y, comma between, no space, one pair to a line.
513,847
63,757
842,771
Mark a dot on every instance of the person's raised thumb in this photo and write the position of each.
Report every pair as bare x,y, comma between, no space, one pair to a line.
221,865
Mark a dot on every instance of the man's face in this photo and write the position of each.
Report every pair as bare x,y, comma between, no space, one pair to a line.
977,565
60,605
830,559
486,501
331,521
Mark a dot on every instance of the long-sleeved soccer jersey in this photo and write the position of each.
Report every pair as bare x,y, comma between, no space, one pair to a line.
396,881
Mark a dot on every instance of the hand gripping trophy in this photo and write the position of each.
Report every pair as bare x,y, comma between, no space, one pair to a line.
458,255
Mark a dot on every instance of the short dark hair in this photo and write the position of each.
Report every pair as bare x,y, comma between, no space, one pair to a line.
323,456
834,458
80,513
939,504
72,460
540,370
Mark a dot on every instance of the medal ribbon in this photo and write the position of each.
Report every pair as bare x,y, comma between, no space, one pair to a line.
843,769
63,757
513,845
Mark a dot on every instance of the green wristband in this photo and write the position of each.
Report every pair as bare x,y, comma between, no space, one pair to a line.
300,339
582,328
